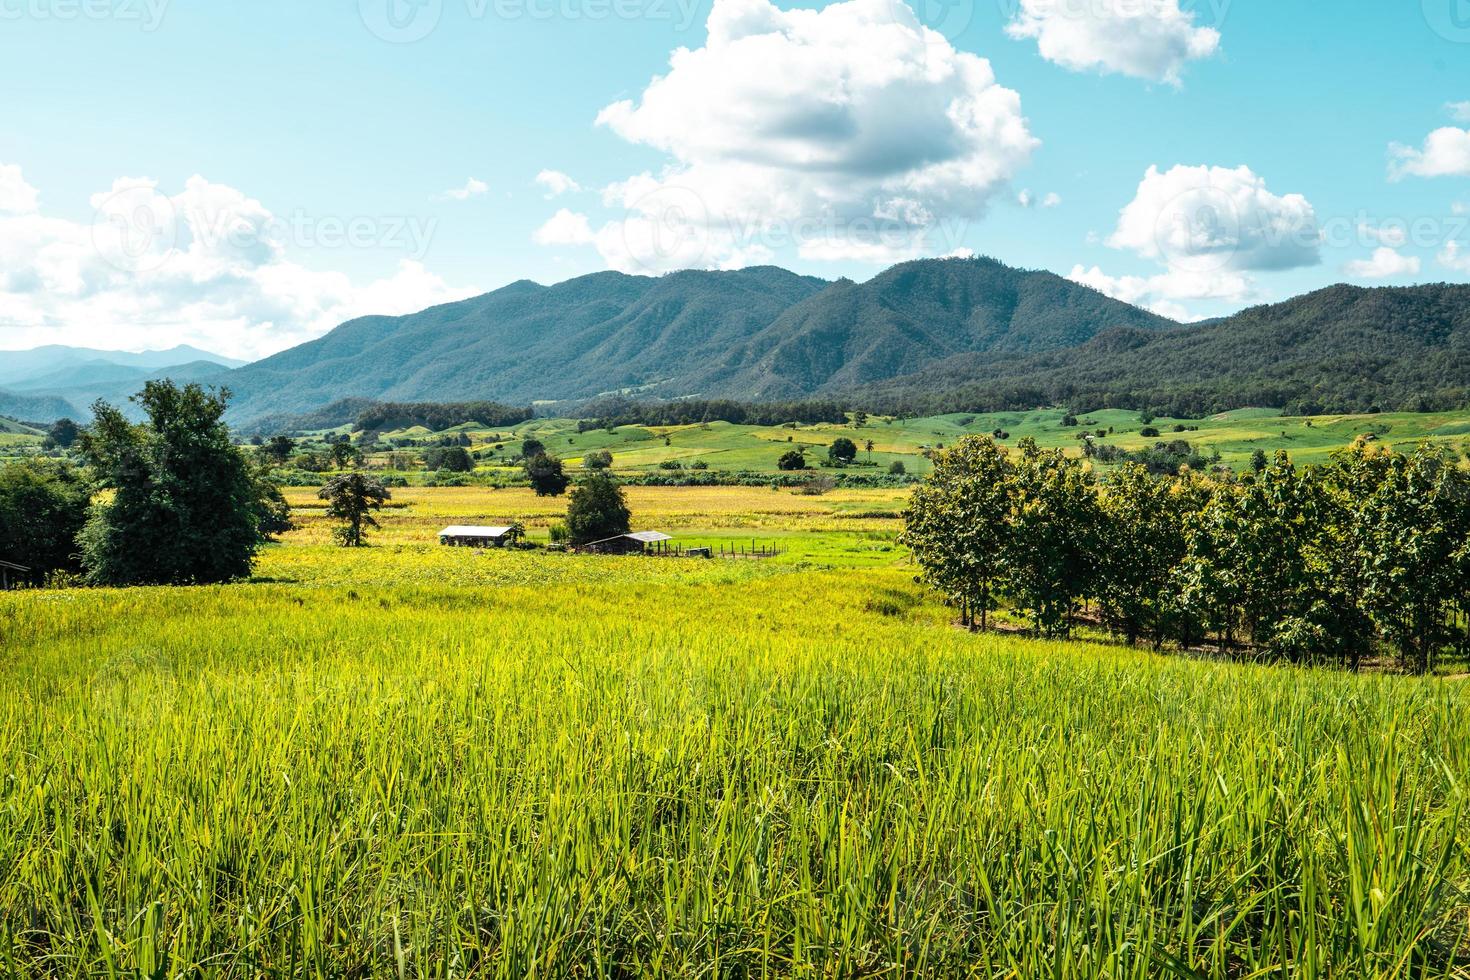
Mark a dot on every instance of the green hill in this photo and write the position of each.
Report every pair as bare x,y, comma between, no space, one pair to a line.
1339,350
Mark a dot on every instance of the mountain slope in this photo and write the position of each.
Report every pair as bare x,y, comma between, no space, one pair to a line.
752,334
1340,349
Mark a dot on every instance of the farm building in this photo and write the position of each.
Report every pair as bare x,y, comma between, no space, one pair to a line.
459,536
11,574
637,543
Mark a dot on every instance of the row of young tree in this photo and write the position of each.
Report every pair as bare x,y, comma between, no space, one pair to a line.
1326,564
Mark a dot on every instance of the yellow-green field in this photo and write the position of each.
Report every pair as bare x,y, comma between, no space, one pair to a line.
409,760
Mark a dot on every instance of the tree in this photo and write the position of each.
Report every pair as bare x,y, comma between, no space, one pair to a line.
63,433
1142,543
1259,461
546,476
43,507
597,510
185,506
598,459
842,451
958,525
869,447
455,459
1053,558
532,448
1412,540
344,454
350,497
791,460
279,448
896,468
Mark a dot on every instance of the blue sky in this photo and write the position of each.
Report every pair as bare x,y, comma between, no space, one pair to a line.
300,163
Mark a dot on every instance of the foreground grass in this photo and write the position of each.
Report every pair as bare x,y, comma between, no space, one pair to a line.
514,765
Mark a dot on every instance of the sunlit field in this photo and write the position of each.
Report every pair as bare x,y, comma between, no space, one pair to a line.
409,760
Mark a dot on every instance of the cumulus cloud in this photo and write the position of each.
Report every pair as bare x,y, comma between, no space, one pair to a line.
207,265
1386,263
1148,39
1052,200
1394,234
1445,153
1459,110
851,131
565,228
557,183
1207,218
1455,258
472,188
1210,228
16,196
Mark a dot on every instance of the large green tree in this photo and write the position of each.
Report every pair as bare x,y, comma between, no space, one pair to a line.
1141,544
184,506
1054,553
546,475
958,525
597,509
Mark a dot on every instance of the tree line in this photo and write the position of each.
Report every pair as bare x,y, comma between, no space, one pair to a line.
1326,564
613,412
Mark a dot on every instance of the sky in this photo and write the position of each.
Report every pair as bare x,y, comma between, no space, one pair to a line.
245,176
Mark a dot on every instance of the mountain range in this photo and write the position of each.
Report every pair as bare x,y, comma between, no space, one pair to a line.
924,336
50,382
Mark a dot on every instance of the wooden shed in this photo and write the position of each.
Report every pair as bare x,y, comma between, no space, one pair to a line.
637,543
11,574
463,536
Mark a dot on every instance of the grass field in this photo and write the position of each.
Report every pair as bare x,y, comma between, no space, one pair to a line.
414,761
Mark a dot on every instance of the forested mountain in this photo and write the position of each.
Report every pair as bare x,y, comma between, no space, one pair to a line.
760,333
88,366
1341,349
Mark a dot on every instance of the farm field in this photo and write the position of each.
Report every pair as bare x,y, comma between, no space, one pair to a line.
722,446
409,760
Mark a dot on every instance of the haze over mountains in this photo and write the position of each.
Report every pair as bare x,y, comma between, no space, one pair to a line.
924,336
54,381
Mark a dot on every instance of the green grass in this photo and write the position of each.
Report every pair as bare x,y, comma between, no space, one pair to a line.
415,761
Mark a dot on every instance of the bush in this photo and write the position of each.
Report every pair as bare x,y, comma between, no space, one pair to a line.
793,460
896,468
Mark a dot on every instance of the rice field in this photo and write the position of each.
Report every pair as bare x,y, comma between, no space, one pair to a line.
423,762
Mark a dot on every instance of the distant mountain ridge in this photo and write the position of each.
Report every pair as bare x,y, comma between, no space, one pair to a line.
58,381
753,334
927,336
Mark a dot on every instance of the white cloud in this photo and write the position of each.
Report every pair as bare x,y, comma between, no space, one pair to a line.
847,131
16,196
206,266
1025,199
1147,39
557,183
1446,153
473,187
1455,258
1212,218
1210,228
1459,110
1161,293
565,228
1394,234
1052,200
1386,263
1460,208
